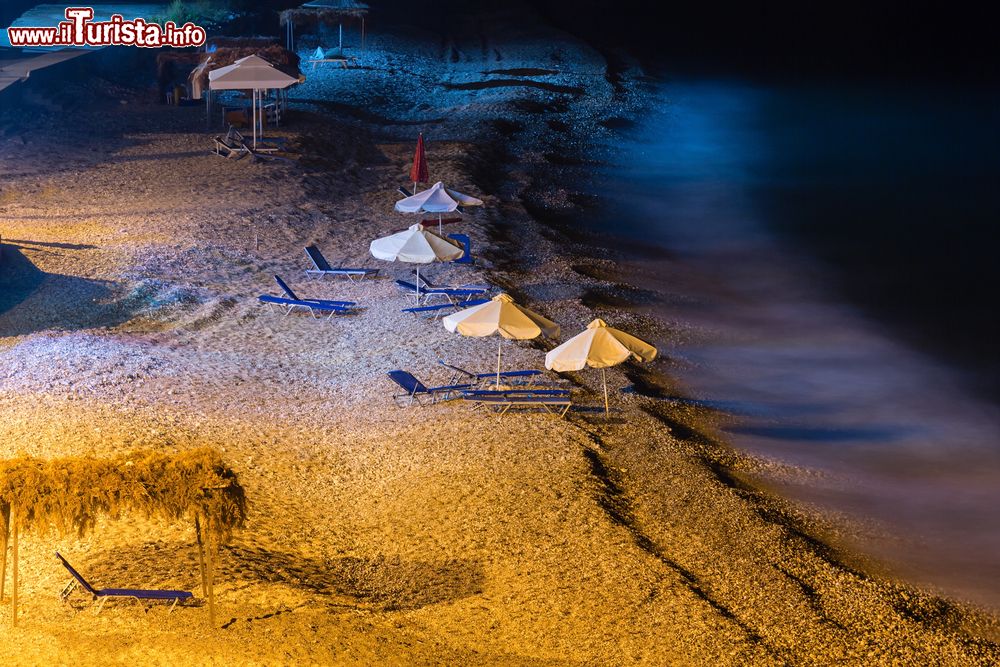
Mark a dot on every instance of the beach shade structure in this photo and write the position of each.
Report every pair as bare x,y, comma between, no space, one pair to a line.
416,245
501,315
328,12
598,346
418,172
436,199
250,73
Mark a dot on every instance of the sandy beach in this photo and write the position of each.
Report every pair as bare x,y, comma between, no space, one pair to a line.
132,259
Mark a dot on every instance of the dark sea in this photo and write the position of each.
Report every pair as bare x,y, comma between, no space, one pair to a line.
836,246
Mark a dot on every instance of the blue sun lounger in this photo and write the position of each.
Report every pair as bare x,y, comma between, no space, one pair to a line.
555,401
464,241
294,297
437,309
419,393
323,268
481,377
138,594
426,284
447,292
316,307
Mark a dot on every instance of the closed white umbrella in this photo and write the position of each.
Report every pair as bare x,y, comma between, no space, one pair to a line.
417,246
500,315
598,346
436,199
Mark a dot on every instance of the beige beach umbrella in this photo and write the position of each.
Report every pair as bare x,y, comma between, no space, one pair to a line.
503,316
598,346
417,246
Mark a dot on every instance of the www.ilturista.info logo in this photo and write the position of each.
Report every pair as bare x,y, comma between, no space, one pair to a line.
79,29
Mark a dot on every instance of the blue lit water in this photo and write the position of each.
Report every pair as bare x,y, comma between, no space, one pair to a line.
834,245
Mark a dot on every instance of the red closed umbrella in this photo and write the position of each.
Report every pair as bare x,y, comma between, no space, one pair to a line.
418,172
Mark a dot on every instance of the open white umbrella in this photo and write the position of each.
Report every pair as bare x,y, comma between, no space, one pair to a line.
417,246
436,199
250,73
598,346
500,315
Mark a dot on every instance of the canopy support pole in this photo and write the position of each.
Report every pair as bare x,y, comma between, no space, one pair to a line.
14,573
5,535
253,111
201,555
210,567
440,225
418,284
604,379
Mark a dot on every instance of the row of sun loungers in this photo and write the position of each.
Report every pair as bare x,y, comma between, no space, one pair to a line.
554,400
463,385
457,296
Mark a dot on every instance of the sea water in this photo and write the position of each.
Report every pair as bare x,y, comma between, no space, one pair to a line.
834,246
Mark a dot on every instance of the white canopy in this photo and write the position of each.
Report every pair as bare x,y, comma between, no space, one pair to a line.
500,315
436,199
598,346
416,245
249,73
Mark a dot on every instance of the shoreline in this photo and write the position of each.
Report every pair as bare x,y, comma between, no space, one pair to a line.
417,535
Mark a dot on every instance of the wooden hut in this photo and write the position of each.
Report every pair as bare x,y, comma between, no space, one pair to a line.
326,12
68,495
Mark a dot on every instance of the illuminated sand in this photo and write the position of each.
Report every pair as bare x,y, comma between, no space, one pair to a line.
378,534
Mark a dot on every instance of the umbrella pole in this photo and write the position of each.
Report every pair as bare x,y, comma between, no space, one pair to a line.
418,284
440,226
499,343
604,379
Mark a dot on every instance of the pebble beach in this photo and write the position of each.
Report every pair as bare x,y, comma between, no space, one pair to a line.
132,258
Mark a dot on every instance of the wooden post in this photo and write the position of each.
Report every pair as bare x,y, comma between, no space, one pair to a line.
4,538
211,575
13,595
201,556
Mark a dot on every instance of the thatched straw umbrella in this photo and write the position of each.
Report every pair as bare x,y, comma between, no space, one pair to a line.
68,495
328,12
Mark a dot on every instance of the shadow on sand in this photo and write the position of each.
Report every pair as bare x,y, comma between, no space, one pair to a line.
32,300
385,584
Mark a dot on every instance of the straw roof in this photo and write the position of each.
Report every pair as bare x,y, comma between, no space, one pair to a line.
324,11
68,495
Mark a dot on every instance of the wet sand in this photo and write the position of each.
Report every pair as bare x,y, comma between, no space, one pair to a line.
379,534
